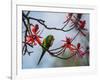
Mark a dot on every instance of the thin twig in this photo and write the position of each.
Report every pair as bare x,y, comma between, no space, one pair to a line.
52,54
75,36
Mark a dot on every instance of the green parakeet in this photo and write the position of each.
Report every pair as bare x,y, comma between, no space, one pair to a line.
47,43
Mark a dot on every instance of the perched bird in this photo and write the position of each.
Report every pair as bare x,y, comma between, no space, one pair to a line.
47,43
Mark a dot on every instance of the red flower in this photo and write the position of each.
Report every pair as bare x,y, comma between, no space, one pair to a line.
33,39
68,44
35,29
29,39
81,53
37,39
82,24
79,25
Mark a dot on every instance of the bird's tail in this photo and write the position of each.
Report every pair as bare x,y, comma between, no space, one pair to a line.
43,52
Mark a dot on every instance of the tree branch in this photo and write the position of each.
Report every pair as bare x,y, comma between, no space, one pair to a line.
42,23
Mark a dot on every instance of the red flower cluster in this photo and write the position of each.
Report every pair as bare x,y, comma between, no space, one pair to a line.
35,29
79,25
72,47
81,53
34,38
68,44
82,24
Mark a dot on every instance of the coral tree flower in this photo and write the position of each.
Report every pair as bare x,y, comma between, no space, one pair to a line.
34,37
81,53
29,39
35,29
79,25
82,24
68,44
